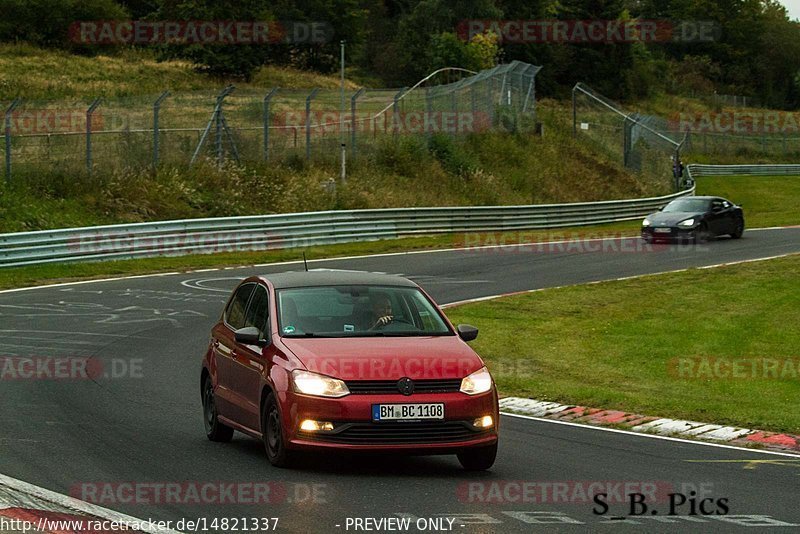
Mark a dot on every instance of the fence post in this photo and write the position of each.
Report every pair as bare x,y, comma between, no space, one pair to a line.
9,110
308,122
454,107
574,113
216,117
89,112
490,100
156,109
396,109
532,90
428,112
267,100
353,121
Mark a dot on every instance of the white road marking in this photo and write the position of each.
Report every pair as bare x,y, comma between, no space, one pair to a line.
633,277
650,436
30,496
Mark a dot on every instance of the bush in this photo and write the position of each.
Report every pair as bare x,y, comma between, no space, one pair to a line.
451,155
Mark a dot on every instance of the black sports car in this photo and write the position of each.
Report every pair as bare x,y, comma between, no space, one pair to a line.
695,219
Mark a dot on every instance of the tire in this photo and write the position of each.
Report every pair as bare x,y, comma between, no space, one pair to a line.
702,235
272,434
215,431
739,230
479,458
647,239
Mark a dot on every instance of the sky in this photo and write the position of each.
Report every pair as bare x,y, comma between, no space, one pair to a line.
793,6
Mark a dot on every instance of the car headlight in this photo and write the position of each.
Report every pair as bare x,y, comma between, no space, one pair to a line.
687,222
309,383
646,222
478,382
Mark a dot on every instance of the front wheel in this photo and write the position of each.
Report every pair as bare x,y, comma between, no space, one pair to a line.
702,234
215,431
739,229
478,458
273,435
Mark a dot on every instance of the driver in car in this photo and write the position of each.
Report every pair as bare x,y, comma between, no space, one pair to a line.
381,311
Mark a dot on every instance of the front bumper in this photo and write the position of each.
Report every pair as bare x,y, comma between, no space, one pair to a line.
355,430
675,233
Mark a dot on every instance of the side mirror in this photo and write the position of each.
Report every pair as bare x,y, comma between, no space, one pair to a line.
249,335
467,332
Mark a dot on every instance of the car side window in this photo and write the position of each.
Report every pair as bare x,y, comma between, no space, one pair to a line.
258,312
235,312
726,204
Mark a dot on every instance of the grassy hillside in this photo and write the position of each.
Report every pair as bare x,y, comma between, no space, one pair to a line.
33,73
491,168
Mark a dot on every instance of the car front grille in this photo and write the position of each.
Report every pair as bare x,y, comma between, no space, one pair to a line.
418,433
383,387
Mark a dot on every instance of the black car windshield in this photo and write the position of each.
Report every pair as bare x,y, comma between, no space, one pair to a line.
687,205
358,311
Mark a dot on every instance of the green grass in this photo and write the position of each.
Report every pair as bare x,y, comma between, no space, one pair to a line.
611,345
35,73
767,200
65,272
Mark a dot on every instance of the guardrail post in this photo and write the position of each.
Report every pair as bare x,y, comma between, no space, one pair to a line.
156,109
308,122
353,127
89,112
9,110
267,100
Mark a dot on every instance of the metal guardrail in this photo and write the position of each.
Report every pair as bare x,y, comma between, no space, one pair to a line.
696,170
264,232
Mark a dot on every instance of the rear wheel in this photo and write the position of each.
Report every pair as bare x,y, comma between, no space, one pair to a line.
215,431
273,435
478,458
738,229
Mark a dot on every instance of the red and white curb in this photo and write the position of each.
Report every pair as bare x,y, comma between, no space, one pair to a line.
786,443
27,508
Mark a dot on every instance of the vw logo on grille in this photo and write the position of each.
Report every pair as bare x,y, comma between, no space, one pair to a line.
405,386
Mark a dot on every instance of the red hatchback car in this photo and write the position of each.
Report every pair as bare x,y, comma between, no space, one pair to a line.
347,360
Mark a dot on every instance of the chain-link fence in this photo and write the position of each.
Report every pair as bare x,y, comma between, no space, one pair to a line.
625,137
249,125
629,136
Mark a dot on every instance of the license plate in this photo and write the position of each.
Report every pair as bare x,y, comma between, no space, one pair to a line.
407,412
663,230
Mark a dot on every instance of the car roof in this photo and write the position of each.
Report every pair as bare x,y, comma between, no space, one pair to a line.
334,278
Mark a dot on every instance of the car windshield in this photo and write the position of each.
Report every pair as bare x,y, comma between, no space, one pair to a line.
358,311
687,205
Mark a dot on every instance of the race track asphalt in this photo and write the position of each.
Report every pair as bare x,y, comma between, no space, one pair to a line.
145,426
